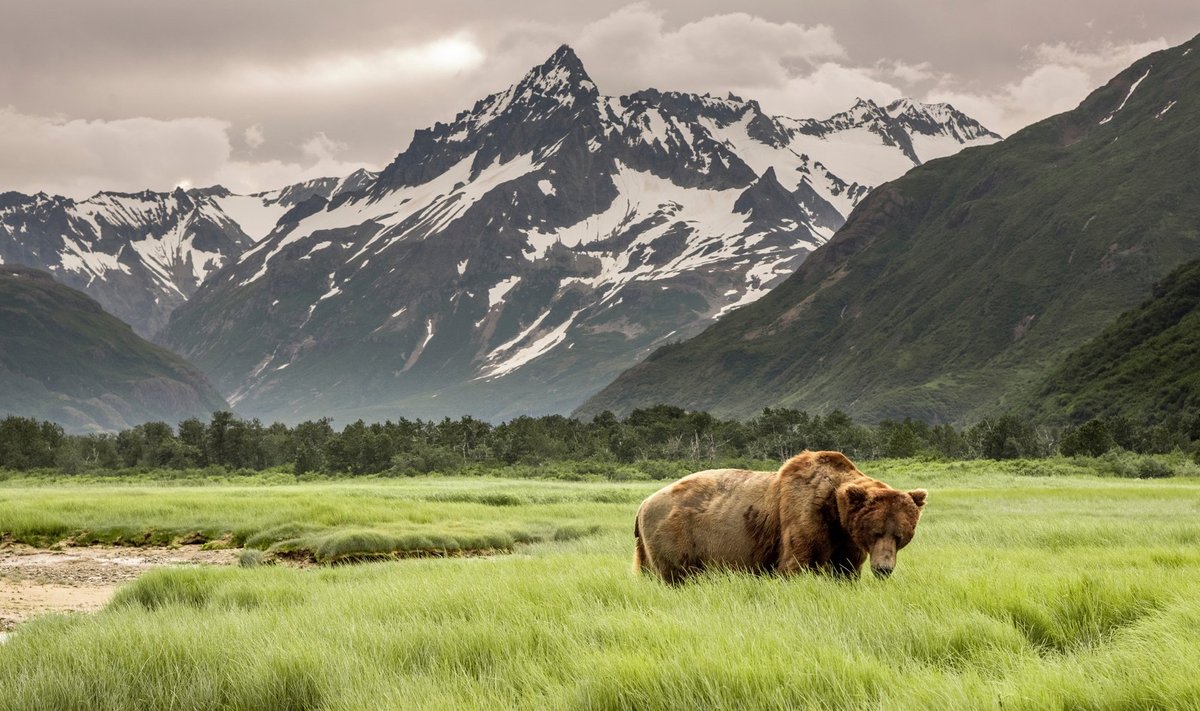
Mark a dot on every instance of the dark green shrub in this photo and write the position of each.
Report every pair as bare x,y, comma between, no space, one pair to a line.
665,470
1091,439
1149,468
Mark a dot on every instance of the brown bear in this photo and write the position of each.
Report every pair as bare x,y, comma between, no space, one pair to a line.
818,512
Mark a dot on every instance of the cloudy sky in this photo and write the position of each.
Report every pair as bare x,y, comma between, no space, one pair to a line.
254,94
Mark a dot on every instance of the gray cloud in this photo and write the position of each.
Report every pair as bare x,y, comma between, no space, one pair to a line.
129,94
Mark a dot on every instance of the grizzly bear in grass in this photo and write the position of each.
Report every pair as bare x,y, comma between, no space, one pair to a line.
818,512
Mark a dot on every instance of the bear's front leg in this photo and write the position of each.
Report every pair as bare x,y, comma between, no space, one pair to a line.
799,552
846,564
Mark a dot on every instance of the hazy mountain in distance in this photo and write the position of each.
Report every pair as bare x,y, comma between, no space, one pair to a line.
142,254
62,358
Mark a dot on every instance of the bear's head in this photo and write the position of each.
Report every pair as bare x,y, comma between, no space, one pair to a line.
880,521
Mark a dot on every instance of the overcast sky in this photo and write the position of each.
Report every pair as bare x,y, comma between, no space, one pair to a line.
255,94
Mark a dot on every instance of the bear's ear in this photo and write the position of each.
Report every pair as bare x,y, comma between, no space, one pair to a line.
918,496
856,496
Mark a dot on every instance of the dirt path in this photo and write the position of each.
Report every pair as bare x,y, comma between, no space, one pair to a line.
35,581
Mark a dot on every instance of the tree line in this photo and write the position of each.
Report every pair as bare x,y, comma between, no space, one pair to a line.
660,433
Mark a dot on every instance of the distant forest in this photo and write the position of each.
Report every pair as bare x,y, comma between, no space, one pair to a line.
647,437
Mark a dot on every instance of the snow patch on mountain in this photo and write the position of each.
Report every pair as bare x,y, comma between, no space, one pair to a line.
317,248
1132,87
497,292
761,277
428,207
856,151
497,173
255,214
164,254
429,333
76,257
540,346
788,163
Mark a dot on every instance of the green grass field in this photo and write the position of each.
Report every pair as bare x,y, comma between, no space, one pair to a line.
1019,592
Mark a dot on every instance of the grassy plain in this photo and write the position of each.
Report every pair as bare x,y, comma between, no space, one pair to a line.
1020,591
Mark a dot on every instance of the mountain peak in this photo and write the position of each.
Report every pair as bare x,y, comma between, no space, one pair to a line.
562,75
564,55
766,200
934,118
216,191
863,110
939,111
903,105
862,113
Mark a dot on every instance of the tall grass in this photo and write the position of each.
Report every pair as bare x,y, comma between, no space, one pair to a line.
324,521
1019,592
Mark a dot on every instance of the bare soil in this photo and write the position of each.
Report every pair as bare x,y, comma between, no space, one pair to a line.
35,581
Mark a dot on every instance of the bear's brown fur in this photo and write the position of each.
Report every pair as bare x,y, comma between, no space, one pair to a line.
818,512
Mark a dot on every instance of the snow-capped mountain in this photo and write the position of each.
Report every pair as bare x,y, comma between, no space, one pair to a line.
139,254
517,258
142,254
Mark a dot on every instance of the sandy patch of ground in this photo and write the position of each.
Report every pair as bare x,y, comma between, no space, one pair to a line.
35,581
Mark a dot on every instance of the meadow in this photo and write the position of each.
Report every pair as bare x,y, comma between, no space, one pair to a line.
1028,586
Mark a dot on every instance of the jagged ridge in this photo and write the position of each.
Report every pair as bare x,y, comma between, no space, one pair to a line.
143,254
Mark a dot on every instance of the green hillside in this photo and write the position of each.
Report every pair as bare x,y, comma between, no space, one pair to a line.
1145,366
62,358
950,291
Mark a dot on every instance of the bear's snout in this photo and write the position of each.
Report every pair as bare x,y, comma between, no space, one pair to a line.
883,557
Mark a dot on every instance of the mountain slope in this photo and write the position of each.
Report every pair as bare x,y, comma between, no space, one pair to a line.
1144,366
142,254
62,358
518,258
957,285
